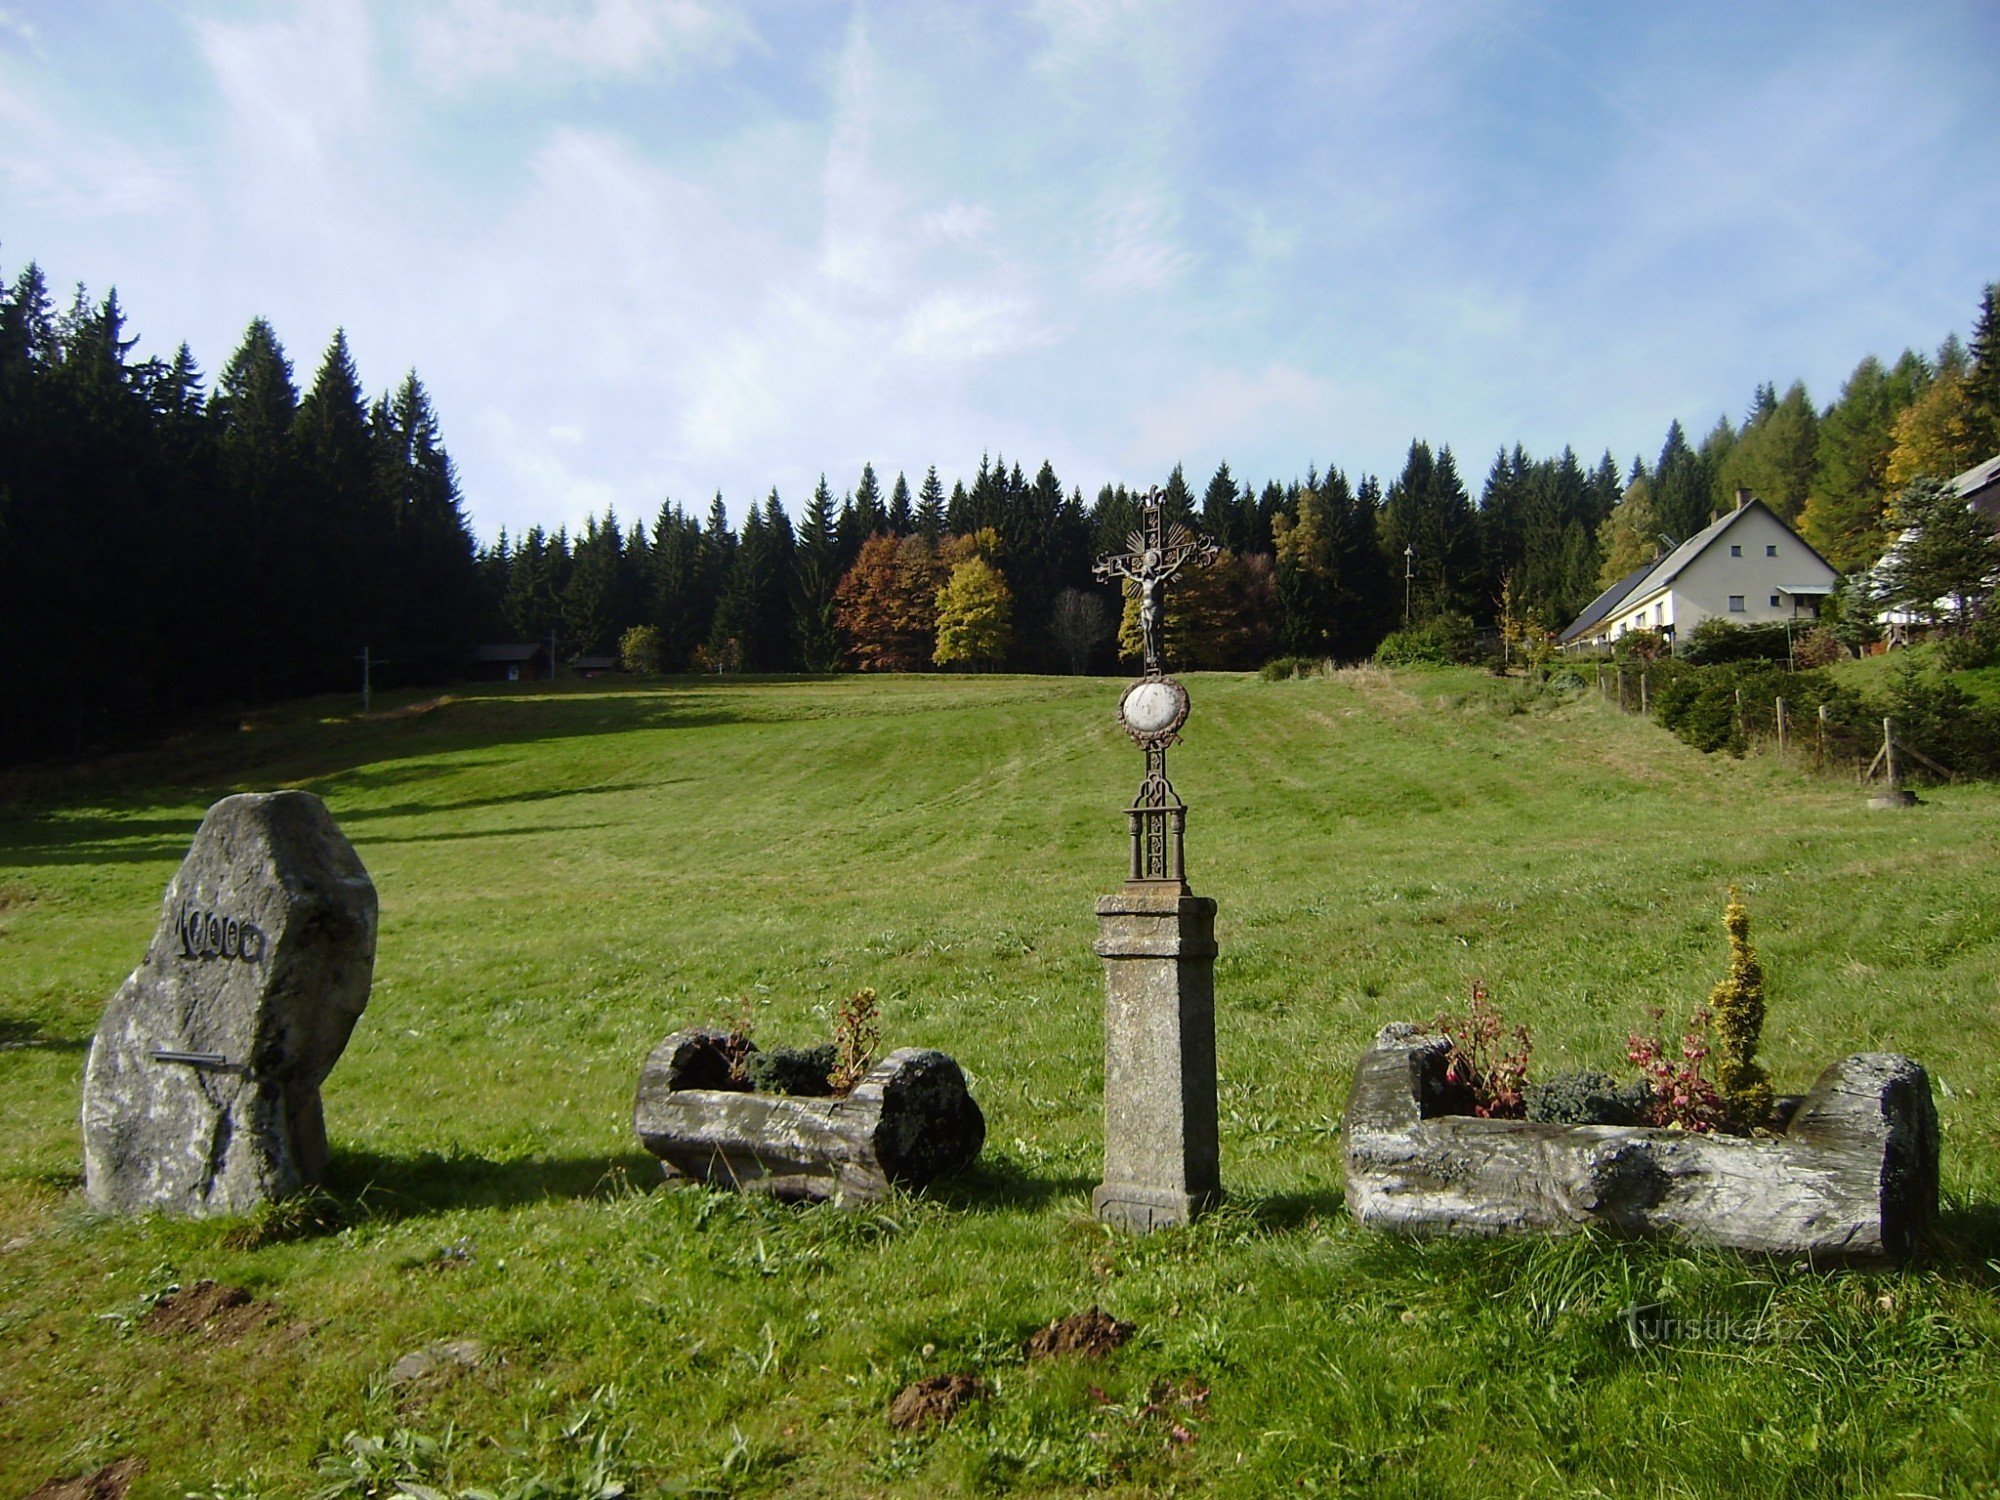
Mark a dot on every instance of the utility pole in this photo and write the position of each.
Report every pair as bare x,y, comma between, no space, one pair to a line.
367,698
1409,572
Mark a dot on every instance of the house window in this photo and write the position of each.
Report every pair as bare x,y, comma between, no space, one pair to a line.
1735,551
1774,601
1771,550
1660,613
1736,604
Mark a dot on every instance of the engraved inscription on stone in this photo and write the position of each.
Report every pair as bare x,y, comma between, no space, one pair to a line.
207,934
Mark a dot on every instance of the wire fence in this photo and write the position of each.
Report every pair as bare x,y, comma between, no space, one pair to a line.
1810,740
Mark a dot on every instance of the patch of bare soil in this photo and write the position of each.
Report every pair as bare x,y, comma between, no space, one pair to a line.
108,1483
1092,1335
206,1310
935,1398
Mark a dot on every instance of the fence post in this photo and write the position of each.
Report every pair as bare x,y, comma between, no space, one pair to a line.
1889,752
1781,729
1621,690
1819,743
1741,728
1643,674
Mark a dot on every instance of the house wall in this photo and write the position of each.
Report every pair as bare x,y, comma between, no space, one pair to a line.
1703,587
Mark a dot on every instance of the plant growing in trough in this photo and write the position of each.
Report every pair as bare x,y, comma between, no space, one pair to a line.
1488,1074
1736,1005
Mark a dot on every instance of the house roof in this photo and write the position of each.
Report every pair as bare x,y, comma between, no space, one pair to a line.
507,652
1603,604
1978,477
1650,580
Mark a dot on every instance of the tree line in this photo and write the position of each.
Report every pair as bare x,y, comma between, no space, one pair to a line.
167,548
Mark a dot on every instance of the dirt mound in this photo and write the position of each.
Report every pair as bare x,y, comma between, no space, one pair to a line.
108,1483
1092,1334
224,1313
935,1398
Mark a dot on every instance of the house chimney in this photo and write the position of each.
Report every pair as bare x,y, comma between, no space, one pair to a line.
1742,497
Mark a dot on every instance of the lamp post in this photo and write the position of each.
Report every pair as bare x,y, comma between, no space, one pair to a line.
1409,566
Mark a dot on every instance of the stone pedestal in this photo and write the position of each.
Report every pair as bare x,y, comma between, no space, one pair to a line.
1158,947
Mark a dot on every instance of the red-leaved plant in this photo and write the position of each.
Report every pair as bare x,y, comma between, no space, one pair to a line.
1680,1095
1492,1075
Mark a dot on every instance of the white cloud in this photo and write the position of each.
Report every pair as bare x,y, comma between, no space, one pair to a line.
301,91
1224,411
970,326
958,223
1136,247
477,41
80,173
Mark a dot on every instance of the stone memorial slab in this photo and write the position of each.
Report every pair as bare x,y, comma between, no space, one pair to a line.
201,1094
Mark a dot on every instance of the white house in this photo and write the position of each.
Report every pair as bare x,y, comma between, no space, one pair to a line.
1979,488
1748,567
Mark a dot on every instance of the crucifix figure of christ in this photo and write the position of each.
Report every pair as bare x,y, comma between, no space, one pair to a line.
1159,549
1154,708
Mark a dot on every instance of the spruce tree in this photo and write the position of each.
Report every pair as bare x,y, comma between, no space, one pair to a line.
817,576
902,519
930,508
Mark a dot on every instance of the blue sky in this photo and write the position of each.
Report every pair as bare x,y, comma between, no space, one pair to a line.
642,249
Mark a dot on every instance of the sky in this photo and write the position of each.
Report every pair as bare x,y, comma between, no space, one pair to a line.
649,250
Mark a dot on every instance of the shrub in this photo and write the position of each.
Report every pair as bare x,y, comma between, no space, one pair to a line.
793,1070
1678,1093
857,1033
639,650
1817,647
1737,1006
1718,640
1976,646
1486,1076
1443,640
1642,646
1588,1098
1283,668
1934,715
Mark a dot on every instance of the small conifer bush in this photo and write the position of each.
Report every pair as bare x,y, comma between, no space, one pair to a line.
1736,1006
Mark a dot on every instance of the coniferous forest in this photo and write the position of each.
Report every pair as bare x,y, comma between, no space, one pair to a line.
172,546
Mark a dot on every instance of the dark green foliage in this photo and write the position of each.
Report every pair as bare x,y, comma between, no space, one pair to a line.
1719,640
792,1070
1443,640
1588,1098
1936,716
172,553
1945,560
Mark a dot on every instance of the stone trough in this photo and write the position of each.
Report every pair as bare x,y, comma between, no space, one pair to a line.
909,1121
1853,1175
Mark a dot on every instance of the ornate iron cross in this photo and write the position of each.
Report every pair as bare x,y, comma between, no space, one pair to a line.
1155,707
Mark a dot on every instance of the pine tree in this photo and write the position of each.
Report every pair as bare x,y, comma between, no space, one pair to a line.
1680,487
870,515
930,508
1845,517
902,519
1944,561
338,519
1982,378
816,580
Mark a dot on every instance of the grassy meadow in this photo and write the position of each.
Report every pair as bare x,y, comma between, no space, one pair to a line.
566,874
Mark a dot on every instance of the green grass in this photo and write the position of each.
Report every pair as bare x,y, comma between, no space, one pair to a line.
566,876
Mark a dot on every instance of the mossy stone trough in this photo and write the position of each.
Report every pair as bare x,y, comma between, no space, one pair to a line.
910,1120
1852,1176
